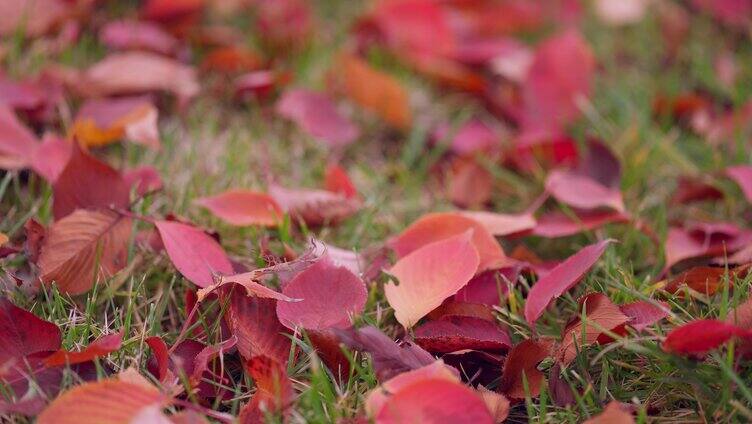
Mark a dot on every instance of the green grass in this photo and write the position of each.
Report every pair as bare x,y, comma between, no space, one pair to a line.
217,145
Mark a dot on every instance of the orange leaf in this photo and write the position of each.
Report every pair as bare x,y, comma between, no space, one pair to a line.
374,90
243,207
82,248
104,402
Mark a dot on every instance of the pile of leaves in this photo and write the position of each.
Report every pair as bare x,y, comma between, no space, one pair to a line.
451,315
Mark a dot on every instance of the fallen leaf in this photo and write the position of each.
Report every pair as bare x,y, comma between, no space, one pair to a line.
195,254
696,338
336,180
87,183
524,359
435,401
100,347
253,320
613,413
559,76
274,394
620,12
17,143
144,179
84,248
231,60
434,227
389,358
137,35
561,279
382,94
314,207
331,297
379,396
138,73
317,115
104,121
742,175
429,275
702,279
453,333
244,207
703,239
108,401
22,333
51,157
643,314
558,224
500,224
468,184
601,316
36,17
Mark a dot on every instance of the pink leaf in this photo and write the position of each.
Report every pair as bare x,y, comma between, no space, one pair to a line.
561,279
17,143
453,333
135,35
558,224
742,175
643,314
331,296
253,320
196,255
317,115
429,275
499,224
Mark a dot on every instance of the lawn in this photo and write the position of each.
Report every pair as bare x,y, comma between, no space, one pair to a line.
124,125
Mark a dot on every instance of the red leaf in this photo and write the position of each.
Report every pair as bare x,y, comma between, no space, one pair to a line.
703,279
524,358
734,13
561,279
561,72
34,18
454,333
102,346
473,136
692,189
23,333
433,227
253,320
336,180
696,338
601,315
435,401
108,401
244,207
643,314
317,115
429,275
331,296
742,175
87,183
469,184
274,394
144,179
161,355
196,255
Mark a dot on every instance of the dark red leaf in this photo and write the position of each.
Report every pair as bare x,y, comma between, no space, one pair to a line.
453,333
87,183
643,314
253,320
23,333
524,359
274,391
